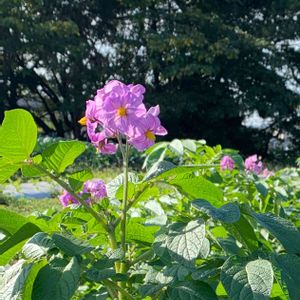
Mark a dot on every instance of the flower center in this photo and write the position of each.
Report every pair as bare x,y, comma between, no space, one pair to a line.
122,111
150,135
82,121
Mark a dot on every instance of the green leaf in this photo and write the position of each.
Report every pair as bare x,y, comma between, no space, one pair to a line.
135,231
29,170
285,231
57,281
186,242
243,232
76,180
96,275
196,187
176,147
25,232
7,169
189,145
165,169
27,291
18,135
14,280
71,245
228,213
62,154
192,291
38,245
245,279
115,186
11,221
289,266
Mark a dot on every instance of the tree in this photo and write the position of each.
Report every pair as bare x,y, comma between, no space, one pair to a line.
209,64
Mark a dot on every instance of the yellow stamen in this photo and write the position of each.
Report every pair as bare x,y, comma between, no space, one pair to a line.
150,136
82,121
122,111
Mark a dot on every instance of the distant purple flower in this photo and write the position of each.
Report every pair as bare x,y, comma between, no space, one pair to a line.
96,188
66,199
253,164
266,173
227,163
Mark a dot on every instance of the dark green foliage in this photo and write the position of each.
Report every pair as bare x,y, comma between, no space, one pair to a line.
207,63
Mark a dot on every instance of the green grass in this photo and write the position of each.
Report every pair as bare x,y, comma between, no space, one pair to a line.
29,206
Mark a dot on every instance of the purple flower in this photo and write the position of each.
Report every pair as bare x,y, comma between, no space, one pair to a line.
148,126
253,164
96,188
118,111
105,147
122,108
227,163
66,199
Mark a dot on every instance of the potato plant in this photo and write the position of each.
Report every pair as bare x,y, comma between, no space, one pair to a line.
185,227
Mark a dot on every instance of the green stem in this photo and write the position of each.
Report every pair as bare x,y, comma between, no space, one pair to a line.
113,285
132,202
123,267
125,196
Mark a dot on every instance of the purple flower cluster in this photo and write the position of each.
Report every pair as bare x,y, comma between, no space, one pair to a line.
96,188
227,163
252,164
118,110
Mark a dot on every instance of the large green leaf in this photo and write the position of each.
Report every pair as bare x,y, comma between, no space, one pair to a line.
18,135
14,280
7,169
245,279
57,281
25,232
165,169
289,266
186,242
11,221
71,245
115,186
192,291
197,187
62,154
135,231
285,231
228,213
28,286
38,245
243,232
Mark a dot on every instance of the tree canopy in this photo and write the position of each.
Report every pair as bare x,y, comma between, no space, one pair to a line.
209,64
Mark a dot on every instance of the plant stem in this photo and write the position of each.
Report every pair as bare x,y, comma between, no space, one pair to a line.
111,284
125,196
123,267
132,202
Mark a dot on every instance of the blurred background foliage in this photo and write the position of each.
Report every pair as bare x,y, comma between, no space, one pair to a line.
226,71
